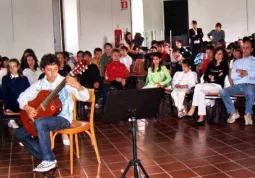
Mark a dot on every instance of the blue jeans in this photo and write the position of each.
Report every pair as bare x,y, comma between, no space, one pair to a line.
42,150
248,90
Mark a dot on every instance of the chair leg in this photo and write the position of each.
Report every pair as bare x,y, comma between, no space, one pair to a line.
171,104
95,145
71,153
77,146
52,140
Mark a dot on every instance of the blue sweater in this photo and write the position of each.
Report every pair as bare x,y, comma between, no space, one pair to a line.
11,90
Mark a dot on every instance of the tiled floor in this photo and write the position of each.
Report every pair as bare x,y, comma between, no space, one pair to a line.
167,147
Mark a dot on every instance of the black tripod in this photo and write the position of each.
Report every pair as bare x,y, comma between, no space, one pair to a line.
134,162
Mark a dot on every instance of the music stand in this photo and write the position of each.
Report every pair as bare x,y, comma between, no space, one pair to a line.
130,105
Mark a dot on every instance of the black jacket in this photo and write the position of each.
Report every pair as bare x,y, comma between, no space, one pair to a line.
194,37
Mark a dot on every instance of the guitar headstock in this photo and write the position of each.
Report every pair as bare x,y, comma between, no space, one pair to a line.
79,67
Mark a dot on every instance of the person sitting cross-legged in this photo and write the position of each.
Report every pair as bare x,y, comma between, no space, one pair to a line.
214,78
41,149
243,76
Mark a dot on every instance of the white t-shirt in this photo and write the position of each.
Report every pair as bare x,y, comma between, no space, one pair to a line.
32,76
127,61
3,72
231,64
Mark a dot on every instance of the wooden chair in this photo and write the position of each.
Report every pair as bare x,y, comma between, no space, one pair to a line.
5,115
78,127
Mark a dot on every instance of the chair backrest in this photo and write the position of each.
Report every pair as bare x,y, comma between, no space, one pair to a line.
91,100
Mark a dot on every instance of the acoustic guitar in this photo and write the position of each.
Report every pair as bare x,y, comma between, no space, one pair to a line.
47,103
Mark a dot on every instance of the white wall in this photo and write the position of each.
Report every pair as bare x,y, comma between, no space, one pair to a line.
97,21
153,18
70,25
26,24
232,14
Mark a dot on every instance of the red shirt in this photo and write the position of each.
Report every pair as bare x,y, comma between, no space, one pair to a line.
115,70
204,65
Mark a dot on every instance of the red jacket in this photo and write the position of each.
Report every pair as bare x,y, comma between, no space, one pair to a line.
204,65
115,70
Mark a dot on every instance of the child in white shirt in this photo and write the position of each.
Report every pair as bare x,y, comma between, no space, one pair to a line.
125,58
182,83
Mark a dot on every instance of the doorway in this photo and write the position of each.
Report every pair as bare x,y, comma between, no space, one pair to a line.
177,20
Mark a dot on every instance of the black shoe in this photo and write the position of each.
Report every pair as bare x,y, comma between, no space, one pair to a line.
201,123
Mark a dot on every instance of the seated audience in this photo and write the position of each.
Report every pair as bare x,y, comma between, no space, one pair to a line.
13,84
80,55
237,54
96,59
182,83
106,57
116,72
221,43
214,78
90,78
125,58
23,59
176,61
216,34
5,61
128,40
207,59
243,76
154,43
158,74
32,70
3,72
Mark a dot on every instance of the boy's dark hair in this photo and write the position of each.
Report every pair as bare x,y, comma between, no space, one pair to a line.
18,64
176,50
61,53
153,42
194,22
49,59
218,25
87,53
180,41
154,47
36,61
66,54
97,50
210,47
115,51
161,43
187,62
80,52
124,48
107,44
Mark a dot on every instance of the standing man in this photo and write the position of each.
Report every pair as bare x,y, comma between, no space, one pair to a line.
196,38
217,34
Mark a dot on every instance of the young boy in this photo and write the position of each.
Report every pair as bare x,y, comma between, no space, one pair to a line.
125,58
182,83
42,150
116,72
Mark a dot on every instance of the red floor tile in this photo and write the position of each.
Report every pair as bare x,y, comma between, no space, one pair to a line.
241,173
206,170
186,173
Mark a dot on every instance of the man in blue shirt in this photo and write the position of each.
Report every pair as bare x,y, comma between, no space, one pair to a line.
243,76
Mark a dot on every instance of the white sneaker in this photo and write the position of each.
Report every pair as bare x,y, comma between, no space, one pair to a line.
45,166
13,124
248,119
232,118
66,142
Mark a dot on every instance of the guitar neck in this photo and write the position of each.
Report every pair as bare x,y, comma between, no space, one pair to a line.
54,93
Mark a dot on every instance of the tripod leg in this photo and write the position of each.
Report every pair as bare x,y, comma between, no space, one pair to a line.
126,170
137,170
144,172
